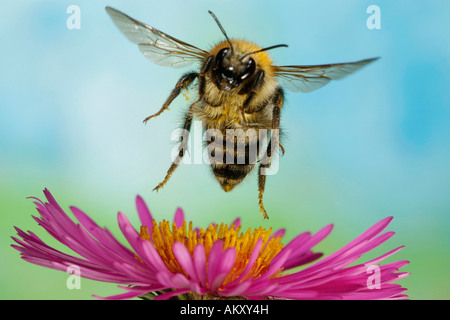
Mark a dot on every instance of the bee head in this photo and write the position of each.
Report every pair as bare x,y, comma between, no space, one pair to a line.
231,69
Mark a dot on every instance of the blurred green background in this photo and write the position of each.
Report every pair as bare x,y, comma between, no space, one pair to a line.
375,144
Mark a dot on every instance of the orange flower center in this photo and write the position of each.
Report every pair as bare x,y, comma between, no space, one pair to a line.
164,235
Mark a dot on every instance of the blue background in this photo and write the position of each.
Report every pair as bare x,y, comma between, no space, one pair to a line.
375,144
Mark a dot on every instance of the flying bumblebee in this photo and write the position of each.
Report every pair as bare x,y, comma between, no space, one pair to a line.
239,93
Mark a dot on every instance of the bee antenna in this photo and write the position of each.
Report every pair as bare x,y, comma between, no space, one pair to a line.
265,49
223,30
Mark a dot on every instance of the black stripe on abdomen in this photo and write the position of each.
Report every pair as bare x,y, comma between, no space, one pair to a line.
230,175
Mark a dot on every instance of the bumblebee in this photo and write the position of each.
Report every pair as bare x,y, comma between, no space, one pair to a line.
240,96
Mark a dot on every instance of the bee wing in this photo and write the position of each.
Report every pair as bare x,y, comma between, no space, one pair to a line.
158,47
310,78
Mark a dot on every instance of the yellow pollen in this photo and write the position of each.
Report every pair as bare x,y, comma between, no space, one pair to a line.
186,95
165,234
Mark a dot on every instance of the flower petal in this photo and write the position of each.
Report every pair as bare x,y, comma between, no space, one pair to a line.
144,214
184,259
251,261
226,263
200,264
179,218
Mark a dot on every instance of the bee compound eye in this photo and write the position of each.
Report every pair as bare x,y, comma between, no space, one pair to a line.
249,68
251,65
221,55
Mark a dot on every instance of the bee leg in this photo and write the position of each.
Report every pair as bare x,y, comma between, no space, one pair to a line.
201,79
261,186
168,175
181,150
254,90
264,165
182,83
278,100
188,118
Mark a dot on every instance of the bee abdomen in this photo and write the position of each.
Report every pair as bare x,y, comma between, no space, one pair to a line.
230,175
233,156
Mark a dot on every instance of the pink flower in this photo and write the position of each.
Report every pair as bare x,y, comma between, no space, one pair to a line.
219,262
